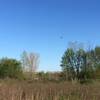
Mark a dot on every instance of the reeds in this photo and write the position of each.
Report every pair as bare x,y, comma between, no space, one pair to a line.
23,90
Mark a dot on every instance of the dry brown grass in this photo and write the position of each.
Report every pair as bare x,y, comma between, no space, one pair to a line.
23,90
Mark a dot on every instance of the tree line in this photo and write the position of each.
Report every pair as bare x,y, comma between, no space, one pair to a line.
77,63
12,68
80,64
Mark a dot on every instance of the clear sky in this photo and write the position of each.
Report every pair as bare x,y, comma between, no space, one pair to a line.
46,27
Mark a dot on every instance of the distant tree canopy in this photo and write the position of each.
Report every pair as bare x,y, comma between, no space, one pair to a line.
10,68
79,63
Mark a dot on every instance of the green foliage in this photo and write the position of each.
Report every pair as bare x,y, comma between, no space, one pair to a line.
81,64
66,65
10,68
97,51
97,72
41,75
72,63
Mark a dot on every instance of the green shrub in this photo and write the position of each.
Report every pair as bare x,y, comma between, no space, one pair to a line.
10,68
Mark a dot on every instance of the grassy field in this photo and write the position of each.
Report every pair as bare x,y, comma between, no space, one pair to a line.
30,90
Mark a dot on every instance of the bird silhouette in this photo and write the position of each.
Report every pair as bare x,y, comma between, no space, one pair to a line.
61,37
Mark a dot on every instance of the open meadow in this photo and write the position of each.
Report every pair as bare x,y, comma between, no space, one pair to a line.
38,90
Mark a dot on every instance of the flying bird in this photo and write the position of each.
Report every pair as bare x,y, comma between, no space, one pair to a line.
61,36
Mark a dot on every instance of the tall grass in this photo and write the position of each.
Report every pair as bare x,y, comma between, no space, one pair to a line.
36,90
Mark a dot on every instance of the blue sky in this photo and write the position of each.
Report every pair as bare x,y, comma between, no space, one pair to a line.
37,25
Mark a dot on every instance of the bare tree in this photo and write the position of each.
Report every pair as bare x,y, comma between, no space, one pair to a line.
75,46
30,61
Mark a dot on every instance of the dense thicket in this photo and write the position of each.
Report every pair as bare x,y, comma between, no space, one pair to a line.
10,68
81,64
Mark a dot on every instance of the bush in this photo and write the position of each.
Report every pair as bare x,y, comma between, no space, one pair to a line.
10,68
